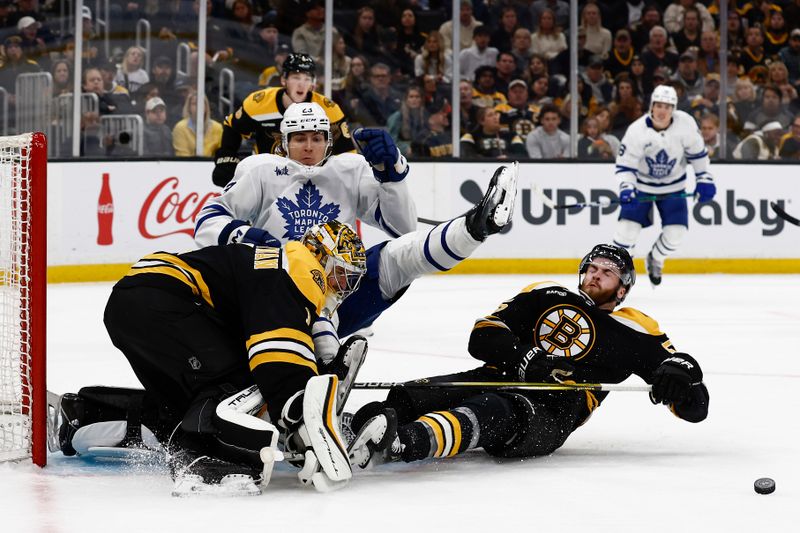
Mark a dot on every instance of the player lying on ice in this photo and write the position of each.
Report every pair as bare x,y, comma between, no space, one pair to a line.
545,333
216,334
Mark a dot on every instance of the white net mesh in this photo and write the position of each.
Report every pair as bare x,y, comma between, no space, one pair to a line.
15,368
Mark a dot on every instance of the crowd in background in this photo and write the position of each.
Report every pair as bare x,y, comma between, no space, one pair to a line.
393,68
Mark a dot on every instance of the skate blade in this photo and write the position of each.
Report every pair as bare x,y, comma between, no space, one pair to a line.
232,485
507,184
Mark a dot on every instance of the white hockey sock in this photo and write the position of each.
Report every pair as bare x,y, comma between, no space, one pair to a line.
410,256
668,242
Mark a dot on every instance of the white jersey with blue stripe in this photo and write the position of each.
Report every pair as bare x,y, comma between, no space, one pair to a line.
273,196
655,161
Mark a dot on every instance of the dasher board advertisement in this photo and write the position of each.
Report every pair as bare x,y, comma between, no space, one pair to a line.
117,212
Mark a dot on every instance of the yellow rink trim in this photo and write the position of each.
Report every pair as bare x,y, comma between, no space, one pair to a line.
113,272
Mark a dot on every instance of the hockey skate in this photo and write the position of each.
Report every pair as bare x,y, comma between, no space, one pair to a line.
496,208
201,475
653,269
375,438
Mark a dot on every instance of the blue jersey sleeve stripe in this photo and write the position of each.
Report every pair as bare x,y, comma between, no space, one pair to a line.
211,212
696,156
383,224
623,168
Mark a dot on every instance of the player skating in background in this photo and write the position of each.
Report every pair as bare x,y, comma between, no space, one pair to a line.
199,329
545,333
261,113
652,160
274,199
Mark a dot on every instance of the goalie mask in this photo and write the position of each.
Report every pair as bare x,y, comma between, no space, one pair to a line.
340,251
621,260
308,117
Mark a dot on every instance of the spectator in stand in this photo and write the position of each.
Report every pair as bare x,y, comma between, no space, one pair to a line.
33,44
409,42
437,141
380,99
690,34
621,56
709,130
640,32
408,122
548,40
790,56
603,116
110,102
675,13
752,55
656,54
539,95
708,54
791,12
733,72
761,145
776,33
598,38
131,73
468,24
62,77
469,111
736,31
506,68
162,75
624,14
560,10
517,115
124,99
489,140
479,54
502,36
625,107
340,62
744,103
789,147
365,38
779,77
560,65
15,64
602,90
642,85
484,93
157,135
538,67
587,103
434,59
265,44
590,144
688,75
770,109
310,37
708,102
547,141
184,134
353,88
521,48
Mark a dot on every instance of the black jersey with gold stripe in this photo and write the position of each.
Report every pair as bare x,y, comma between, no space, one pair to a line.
260,118
266,297
604,347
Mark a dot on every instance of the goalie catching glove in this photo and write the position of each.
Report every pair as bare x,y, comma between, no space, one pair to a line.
381,152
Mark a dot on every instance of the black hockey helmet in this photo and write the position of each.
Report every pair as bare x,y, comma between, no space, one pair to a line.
617,255
299,63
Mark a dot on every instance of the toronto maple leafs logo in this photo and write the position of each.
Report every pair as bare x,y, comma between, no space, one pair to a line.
307,211
661,166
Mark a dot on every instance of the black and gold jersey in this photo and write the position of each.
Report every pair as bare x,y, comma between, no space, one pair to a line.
260,118
604,347
518,121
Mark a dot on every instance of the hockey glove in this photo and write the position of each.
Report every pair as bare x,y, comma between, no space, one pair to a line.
627,194
256,236
380,151
537,365
705,190
673,378
224,168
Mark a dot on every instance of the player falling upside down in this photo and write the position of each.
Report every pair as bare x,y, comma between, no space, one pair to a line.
214,335
652,160
545,333
273,199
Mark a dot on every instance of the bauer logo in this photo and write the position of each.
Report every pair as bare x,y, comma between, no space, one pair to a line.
168,210
726,209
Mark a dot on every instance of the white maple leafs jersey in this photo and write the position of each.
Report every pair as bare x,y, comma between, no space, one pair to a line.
284,198
655,161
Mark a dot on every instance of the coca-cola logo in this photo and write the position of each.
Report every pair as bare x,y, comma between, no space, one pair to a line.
165,212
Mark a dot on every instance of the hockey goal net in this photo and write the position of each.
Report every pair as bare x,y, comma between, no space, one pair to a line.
23,271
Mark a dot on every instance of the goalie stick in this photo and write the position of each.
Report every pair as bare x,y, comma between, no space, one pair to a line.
604,202
783,214
504,385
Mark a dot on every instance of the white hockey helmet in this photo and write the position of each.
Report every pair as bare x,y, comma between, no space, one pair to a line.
305,116
665,94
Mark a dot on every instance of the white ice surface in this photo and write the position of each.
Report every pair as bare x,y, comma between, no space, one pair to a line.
632,467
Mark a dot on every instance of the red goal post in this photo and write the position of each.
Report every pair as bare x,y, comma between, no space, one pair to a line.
23,297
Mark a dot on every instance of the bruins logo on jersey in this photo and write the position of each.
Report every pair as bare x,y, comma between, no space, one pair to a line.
565,330
258,96
319,279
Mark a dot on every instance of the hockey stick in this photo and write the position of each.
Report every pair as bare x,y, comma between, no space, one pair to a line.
504,385
605,202
471,192
783,214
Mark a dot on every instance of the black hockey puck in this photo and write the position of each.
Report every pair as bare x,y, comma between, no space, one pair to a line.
764,485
